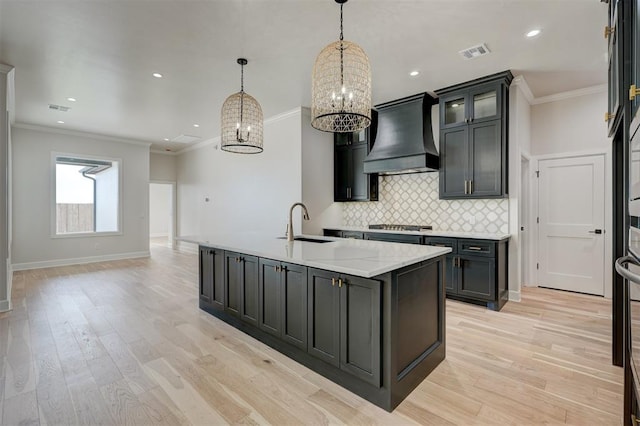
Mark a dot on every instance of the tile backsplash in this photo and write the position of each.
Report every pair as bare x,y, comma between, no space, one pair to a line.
413,199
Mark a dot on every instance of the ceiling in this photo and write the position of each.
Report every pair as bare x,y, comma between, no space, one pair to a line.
103,54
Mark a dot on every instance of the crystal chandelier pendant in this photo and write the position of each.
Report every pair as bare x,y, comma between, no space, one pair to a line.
341,87
242,121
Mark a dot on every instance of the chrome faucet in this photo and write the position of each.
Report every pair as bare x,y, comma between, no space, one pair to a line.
305,216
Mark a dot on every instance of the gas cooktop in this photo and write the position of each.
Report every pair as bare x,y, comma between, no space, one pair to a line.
391,227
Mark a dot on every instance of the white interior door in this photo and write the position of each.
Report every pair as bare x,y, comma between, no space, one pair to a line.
571,231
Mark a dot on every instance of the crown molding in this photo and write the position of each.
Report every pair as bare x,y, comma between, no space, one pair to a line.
6,68
78,133
570,94
521,82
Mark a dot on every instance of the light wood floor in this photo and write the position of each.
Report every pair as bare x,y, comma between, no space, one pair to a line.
125,343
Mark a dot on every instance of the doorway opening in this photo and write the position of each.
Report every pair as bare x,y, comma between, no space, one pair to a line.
162,208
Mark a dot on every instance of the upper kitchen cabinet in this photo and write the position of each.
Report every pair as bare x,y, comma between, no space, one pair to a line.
473,138
634,46
612,33
350,150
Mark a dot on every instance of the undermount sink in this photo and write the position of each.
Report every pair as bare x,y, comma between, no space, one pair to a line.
308,240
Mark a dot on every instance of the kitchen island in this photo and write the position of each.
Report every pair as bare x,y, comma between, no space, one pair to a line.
368,315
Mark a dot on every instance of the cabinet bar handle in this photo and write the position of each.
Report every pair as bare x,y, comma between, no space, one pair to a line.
470,187
333,281
633,92
340,283
608,31
456,262
466,191
608,116
474,248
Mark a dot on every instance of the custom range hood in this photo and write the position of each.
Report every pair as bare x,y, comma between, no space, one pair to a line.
404,141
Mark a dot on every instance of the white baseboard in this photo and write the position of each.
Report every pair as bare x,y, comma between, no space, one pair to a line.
187,247
514,296
78,260
162,234
5,305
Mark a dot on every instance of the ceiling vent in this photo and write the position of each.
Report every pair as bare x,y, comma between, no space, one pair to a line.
475,51
59,107
185,139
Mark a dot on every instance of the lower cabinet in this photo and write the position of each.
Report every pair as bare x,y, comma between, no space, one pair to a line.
241,286
344,322
475,270
211,264
283,301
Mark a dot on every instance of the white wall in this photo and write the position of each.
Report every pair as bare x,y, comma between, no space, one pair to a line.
159,209
245,192
33,244
569,125
254,192
317,178
162,167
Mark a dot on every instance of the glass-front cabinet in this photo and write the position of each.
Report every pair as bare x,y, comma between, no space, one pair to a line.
481,104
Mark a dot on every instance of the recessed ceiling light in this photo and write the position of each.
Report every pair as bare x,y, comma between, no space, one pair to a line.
196,125
157,75
455,105
533,33
166,139
71,99
414,73
60,122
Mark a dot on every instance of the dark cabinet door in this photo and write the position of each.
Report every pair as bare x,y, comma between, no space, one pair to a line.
342,172
455,110
393,238
323,319
360,180
614,76
476,277
486,165
635,54
454,162
206,274
360,328
232,276
485,103
293,292
249,291
217,298
270,297
450,276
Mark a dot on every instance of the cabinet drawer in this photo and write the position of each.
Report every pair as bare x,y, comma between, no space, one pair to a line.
393,238
442,242
332,233
353,234
477,248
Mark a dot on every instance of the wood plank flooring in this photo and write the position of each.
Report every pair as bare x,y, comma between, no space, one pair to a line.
124,342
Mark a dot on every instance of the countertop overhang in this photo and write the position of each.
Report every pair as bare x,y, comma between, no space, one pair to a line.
362,258
431,233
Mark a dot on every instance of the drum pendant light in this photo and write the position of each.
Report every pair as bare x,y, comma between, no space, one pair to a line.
241,121
341,87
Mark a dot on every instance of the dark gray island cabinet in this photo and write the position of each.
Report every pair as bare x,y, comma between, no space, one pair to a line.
377,336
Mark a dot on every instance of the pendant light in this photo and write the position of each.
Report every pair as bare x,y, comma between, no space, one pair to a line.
341,87
241,121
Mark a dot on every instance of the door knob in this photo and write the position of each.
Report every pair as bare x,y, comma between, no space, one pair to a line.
596,231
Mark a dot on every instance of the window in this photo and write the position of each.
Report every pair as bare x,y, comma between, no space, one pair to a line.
87,195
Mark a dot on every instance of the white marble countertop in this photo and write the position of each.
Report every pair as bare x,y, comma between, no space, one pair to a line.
432,233
355,257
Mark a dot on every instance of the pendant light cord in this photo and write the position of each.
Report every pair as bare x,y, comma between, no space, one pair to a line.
239,135
341,60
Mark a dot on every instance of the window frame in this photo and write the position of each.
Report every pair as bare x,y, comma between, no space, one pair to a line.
52,192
